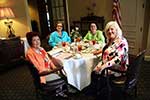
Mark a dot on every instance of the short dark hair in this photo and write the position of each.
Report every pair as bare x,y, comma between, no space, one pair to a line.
30,35
93,23
59,22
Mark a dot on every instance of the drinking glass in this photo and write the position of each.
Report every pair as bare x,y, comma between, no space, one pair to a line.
63,44
79,47
94,42
78,39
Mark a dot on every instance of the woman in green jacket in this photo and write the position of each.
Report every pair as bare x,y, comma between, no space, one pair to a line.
94,34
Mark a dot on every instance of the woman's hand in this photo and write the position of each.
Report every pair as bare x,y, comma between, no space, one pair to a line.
90,43
45,72
97,69
96,52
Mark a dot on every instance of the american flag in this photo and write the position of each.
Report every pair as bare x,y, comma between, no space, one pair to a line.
116,13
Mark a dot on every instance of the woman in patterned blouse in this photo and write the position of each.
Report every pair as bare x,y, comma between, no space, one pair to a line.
115,51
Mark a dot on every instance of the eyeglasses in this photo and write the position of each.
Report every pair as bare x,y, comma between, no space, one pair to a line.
92,26
59,26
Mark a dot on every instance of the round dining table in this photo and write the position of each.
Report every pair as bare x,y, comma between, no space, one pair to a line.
77,65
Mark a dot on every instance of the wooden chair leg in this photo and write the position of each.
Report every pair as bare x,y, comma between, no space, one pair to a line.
108,86
135,91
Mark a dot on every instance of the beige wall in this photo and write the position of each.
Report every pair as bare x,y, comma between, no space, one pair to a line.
33,11
78,8
147,27
21,23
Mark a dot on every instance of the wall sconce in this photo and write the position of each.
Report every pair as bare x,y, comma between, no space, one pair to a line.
7,13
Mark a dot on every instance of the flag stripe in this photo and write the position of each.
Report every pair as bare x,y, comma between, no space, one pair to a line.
116,13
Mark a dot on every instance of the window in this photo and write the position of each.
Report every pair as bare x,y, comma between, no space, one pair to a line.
50,12
57,11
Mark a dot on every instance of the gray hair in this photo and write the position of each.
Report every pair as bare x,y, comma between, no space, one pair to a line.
114,24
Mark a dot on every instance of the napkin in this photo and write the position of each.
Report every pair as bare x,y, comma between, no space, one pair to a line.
55,52
65,55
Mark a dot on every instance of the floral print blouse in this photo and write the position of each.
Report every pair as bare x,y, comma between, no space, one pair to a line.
115,54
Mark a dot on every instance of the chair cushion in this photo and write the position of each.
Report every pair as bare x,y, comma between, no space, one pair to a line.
53,86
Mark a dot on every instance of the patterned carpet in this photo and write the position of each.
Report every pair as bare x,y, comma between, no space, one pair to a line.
144,82
16,84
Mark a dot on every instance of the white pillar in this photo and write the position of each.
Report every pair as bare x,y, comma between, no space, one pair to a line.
68,21
147,55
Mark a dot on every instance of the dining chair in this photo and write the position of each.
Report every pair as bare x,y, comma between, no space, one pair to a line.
50,90
126,84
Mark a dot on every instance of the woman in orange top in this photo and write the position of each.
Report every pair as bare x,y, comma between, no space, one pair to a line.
39,57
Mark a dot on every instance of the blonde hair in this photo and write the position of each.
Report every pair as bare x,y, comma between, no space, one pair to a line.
114,24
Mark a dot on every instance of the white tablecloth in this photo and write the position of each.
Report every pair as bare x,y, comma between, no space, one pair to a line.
79,70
